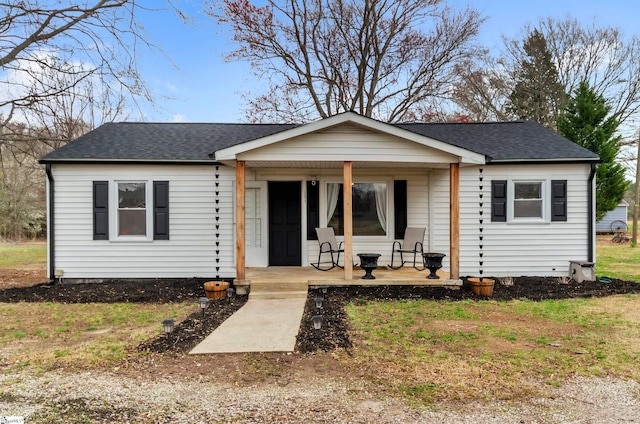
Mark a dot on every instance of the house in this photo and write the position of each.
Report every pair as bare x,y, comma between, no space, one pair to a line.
177,200
615,220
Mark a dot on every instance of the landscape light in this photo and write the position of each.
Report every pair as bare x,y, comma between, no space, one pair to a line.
317,321
230,292
203,304
324,288
167,326
319,301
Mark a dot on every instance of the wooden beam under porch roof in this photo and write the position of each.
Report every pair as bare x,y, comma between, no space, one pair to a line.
348,219
240,216
454,220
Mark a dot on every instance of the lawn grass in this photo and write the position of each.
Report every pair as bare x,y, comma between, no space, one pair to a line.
433,350
23,256
48,335
617,260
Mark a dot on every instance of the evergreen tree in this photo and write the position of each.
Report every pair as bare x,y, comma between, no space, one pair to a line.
537,94
586,121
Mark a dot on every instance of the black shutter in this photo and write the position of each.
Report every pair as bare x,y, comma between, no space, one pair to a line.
101,210
559,200
161,210
499,201
313,209
400,207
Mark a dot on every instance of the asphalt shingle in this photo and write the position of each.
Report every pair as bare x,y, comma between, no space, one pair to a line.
502,141
161,141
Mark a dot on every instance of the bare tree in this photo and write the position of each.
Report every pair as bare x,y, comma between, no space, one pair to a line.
483,90
601,56
65,67
87,39
380,58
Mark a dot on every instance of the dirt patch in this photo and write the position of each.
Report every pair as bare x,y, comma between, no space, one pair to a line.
11,278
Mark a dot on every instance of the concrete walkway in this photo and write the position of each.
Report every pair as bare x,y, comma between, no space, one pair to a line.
261,325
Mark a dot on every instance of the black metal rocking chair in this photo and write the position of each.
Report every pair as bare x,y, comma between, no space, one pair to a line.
328,245
412,243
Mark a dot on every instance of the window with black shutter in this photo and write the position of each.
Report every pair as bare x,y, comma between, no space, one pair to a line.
313,209
161,210
499,201
400,207
101,210
558,200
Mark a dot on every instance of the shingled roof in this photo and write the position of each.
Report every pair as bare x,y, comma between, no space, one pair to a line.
160,142
505,141
192,142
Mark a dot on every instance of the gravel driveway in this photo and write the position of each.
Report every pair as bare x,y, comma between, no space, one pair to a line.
104,397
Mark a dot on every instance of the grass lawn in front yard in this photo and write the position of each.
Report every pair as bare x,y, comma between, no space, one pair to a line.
53,335
431,351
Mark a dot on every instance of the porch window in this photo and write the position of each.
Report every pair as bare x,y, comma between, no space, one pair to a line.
132,209
369,208
527,199
253,218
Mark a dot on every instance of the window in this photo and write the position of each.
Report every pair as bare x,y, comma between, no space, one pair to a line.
132,209
527,199
369,208
253,218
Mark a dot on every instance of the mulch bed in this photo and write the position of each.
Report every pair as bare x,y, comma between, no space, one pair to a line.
334,332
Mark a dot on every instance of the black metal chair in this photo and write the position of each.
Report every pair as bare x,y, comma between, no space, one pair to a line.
412,243
328,245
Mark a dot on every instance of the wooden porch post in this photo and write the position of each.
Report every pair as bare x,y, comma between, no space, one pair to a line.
454,220
240,217
348,220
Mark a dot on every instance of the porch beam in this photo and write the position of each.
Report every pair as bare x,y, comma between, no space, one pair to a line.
454,220
240,217
348,219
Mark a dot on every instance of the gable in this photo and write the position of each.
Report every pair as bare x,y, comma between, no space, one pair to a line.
349,137
349,142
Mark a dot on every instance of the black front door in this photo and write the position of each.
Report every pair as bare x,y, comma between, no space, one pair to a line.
285,234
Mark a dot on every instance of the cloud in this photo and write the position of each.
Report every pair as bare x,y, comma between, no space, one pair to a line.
178,117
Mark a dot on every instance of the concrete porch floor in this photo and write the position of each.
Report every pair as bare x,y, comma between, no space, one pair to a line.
384,277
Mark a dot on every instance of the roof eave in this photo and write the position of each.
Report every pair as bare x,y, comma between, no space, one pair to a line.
542,161
94,161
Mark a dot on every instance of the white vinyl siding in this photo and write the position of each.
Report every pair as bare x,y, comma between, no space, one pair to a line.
509,248
513,248
191,250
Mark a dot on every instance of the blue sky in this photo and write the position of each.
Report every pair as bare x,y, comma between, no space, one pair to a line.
194,83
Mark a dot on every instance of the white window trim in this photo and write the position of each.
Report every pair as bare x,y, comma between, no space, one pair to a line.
113,212
390,209
545,187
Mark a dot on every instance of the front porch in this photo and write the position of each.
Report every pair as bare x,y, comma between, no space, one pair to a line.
384,276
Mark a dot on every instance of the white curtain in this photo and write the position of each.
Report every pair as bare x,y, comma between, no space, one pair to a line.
381,204
333,192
